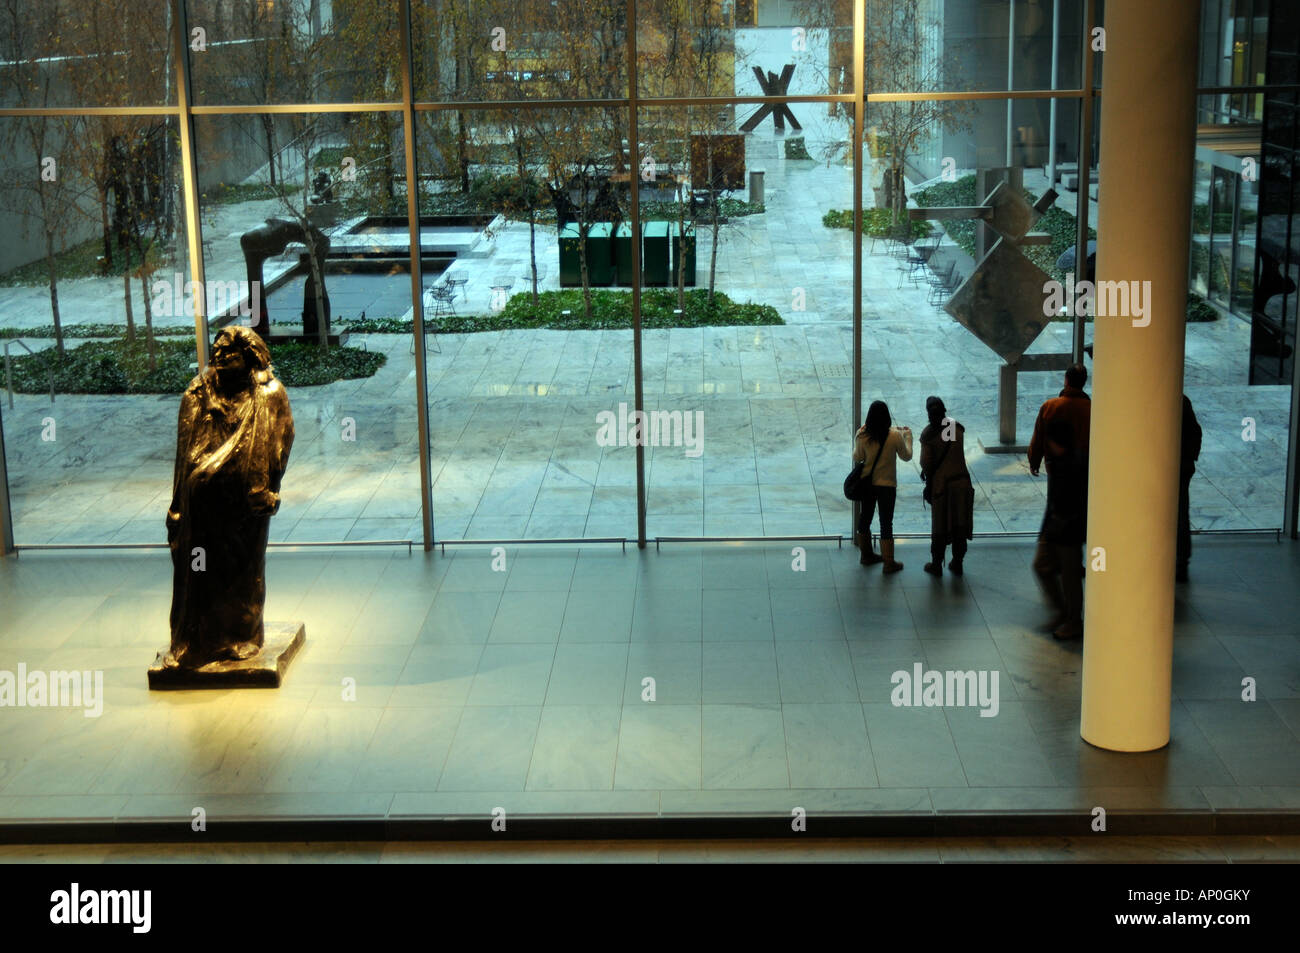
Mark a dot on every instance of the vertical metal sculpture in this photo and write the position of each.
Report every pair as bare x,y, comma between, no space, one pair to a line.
1001,301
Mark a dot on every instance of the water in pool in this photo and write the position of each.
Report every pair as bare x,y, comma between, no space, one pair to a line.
352,290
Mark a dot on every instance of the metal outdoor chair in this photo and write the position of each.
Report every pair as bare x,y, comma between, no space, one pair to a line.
942,284
900,242
443,299
527,278
437,302
457,285
878,238
917,260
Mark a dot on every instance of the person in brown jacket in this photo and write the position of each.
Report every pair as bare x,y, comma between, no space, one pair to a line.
948,487
1074,406
1061,436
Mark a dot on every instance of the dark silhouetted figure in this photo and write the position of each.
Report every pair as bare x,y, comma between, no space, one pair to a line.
1061,438
322,189
948,487
1190,453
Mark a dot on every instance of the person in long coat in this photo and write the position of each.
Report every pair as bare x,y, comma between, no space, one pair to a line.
1059,558
948,488
1191,452
1060,440
232,446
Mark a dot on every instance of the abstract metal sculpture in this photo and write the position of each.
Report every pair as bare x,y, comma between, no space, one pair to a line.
773,85
233,440
1001,301
271,238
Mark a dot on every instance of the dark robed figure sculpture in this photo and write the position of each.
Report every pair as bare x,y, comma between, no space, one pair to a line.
232,446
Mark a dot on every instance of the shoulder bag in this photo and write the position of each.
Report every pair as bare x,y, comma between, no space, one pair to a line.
858,487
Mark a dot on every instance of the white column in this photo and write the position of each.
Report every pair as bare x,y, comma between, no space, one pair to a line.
1147,147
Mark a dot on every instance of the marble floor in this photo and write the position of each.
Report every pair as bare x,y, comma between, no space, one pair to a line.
437,686
514,414
514,425
891,850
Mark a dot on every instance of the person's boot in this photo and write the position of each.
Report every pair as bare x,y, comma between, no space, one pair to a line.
887,552
1052,593
1067,630
867,556
935,566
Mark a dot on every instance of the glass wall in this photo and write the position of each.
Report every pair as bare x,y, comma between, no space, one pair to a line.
922,336
547,184
747,304
1276,197
530,338
501,51
96,323
1239,338
312,208
262,52
1234,49
106,53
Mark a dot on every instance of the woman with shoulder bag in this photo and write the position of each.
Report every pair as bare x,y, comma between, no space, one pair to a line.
878,446
948,487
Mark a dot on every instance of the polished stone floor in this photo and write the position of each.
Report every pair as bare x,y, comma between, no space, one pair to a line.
450,685
513,414
893,850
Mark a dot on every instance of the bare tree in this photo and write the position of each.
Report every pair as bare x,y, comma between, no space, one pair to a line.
369,52
125,52
903,52
39,191
298,60
529,196
253,64
579,169
141,155
687,52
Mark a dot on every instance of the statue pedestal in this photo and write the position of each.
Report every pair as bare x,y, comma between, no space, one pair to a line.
263,670
1020,449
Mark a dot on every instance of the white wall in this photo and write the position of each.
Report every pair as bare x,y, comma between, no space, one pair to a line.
770,48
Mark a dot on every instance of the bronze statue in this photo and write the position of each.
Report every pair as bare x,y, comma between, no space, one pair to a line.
232,447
